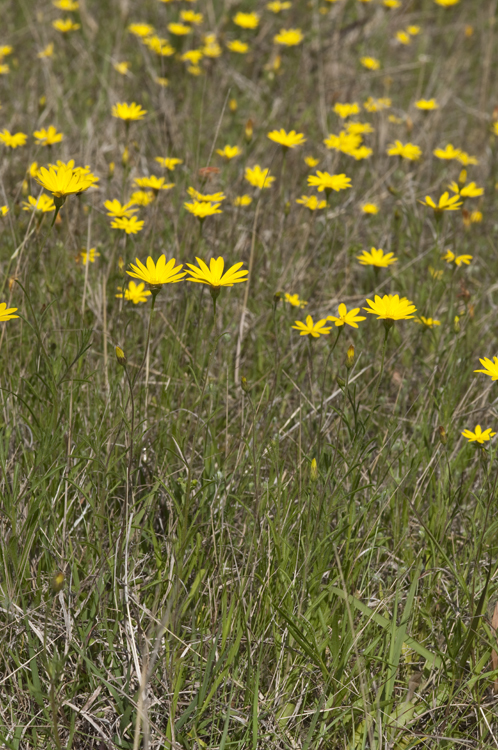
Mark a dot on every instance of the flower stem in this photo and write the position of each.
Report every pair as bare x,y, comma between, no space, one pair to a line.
379,378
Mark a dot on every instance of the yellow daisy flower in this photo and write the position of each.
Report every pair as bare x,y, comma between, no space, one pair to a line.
310,328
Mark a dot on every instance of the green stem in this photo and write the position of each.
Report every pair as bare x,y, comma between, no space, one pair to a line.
379,378
339,331
154,295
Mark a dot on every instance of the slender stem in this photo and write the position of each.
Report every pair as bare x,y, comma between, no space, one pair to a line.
339,331
379,378
139,371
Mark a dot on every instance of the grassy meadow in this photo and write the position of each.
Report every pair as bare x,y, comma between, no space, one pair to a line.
257,515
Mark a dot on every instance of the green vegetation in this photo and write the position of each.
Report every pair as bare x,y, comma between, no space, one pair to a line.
225,535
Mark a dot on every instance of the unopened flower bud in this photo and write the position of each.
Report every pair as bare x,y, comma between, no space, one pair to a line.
121,263
340,381
244,385
249,130
313,471
442,435
232,104
110,173
58,582
456,324
120,356
125,157
462,177
350,357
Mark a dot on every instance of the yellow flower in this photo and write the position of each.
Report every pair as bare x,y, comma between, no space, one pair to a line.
293,299
361,153
43,204
142,197
178,29
475,217
448,152
311,202
228,152
450,257
159,46
325,181
118,211
478,436
47,51
4,69
6,313
211,47
287,140
490,367
288,37
276,6
392,3
371,63
128,112
446,3
130,224
346,110
426,104
201,209
259,178
168,162
466,159
344,142
213,198
214,276
311,162
13,140
154,183
309,328
193,55
427,322
376,258
246,20
156,274
90,256
359,128
370,208
4,210
161,81
468,191
190,16
141,30
391,307
66,4
405,151
122,67
62,181
237,46
413,30
134,293
64,25
445,203
403,37
242,200
350,318
5,49
48,137
376,105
